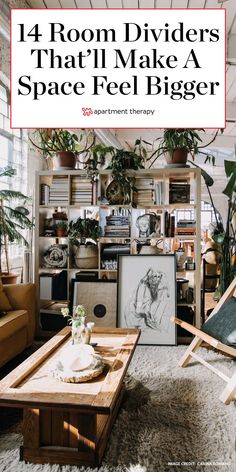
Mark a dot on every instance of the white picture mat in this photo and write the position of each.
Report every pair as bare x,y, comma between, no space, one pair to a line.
131,270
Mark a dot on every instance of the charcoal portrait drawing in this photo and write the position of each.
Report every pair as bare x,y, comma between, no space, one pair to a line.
149,303
147,296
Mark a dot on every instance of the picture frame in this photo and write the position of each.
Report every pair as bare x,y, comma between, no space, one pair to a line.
99,298
147,296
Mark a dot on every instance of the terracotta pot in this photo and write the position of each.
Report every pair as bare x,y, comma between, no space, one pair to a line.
61,232
64,160
177,157
9,278
86,257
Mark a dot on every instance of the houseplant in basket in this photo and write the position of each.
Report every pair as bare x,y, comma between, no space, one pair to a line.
13,221
83,234
59,144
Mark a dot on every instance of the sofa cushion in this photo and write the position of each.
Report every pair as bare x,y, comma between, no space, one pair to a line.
4,302
12,322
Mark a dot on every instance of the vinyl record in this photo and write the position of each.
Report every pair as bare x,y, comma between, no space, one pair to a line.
99,300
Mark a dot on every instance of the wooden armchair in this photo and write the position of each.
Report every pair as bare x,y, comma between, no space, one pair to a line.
229,392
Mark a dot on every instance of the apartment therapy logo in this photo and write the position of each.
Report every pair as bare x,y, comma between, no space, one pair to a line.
144,59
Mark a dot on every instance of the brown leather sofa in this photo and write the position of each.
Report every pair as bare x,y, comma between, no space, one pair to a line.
17,326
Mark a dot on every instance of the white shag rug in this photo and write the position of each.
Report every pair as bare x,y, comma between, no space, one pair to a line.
171,420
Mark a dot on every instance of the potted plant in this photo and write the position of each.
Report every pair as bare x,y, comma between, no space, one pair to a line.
85,252
59,144
176,145
61,228
13,221
119,190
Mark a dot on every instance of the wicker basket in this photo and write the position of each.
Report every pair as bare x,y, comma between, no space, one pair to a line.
86,257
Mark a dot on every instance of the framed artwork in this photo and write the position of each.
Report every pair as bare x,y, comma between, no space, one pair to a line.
147,296
99,298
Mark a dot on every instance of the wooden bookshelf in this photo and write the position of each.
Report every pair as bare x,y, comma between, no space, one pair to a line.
90,202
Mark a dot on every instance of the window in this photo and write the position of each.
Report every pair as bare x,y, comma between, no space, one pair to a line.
13,146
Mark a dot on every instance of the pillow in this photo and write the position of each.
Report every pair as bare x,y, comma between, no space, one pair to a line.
222,325
4,302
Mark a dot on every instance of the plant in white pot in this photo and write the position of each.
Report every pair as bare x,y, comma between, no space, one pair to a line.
83,234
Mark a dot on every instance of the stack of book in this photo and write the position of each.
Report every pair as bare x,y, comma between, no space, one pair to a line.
81,191
117,226
186,227
144,193
58,193
179,191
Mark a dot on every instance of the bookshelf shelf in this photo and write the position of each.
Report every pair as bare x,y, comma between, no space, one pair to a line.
71,195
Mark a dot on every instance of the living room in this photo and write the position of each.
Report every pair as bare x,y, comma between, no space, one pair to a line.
117,261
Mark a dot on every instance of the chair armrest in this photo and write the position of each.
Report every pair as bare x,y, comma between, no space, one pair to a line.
23,297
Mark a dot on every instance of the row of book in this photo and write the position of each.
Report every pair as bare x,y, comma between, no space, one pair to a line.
58,192
81,192
144,192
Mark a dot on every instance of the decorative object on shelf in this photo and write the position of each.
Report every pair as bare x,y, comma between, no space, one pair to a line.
56,256
48,227
119,190
182,289
180,255
44,194
148,224
179,191
85,252
146,297
189,264
13,221
99,300
61,228
77,363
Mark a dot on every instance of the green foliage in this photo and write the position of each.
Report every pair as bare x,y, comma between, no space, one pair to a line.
180,138
82,229
97,157
125,160
61,225
225,236
51,141
13,219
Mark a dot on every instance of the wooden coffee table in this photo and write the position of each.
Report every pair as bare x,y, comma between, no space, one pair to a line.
66,423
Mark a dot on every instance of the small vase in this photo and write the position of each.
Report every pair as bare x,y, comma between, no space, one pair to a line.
78,331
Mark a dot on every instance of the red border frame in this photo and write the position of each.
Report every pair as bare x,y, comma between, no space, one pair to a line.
106,9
